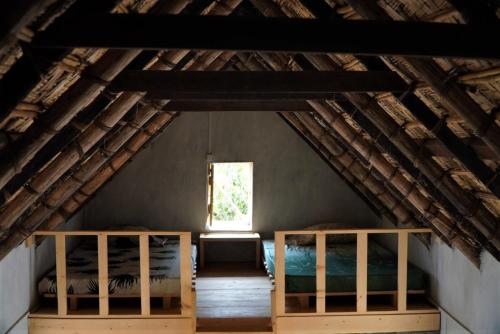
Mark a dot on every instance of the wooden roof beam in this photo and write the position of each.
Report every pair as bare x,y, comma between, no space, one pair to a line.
452,95
237,106
34,63
259,85
467,205
271,34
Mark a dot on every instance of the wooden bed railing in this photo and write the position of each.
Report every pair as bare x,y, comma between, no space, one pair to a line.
361,267
186,293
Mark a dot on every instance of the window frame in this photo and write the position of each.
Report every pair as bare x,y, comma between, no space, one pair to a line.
210,198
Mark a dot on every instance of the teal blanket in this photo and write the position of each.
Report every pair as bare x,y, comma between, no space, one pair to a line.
300,268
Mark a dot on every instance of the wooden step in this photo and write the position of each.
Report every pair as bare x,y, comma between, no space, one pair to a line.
234,325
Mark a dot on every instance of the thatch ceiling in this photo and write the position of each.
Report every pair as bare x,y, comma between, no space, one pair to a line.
429,157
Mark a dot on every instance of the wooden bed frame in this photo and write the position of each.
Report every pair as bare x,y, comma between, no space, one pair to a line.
361,320
131,321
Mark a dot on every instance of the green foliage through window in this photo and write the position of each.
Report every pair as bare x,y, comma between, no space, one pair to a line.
232,194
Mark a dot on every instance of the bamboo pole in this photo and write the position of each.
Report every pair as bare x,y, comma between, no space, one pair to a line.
452,95
467,205
72,186
251,64
91,83
441,222
424,206
70,156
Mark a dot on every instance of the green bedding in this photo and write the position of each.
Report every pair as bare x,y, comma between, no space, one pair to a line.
300,268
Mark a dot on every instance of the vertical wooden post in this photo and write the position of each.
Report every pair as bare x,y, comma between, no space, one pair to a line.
62,299
402,269
320,272
361,272
102,257
186,274
279,272
202,253
273,310
144,263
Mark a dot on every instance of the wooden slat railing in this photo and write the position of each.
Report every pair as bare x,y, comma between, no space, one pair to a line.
361,266
186,293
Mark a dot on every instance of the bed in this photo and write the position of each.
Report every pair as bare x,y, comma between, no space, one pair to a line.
123,269
300,268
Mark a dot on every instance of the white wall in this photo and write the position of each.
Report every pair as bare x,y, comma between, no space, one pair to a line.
19,273
469,295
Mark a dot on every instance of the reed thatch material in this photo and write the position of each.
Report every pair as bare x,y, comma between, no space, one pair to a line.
71,205
391,174
70,156
469,207
452,95
65,189
349,162
80,94
372,151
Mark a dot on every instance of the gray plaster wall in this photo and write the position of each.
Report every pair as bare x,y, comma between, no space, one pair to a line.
469,297
20,271
165,186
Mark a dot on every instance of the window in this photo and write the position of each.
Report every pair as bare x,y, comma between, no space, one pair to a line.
230,196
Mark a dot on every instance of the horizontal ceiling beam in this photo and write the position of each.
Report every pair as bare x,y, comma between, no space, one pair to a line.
147,31
237,106
229,85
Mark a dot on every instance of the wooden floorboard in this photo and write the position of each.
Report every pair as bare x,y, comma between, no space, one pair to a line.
229,290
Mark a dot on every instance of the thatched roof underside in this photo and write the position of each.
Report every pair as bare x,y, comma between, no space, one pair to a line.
68,134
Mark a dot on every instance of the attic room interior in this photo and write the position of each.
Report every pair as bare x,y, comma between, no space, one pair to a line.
249,166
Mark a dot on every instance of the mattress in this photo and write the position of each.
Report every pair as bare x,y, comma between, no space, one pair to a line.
300,268
123,270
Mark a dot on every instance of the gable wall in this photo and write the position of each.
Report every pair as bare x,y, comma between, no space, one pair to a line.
165,187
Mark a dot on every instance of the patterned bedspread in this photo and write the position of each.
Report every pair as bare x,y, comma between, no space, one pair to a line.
123,270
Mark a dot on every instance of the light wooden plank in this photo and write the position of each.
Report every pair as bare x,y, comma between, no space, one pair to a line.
186,278
144,263
364,230
257,253
402,269
108,233
106,326
102,256
202,253
361,323
279,272
361,272
62,300
29,241
273,310
320,272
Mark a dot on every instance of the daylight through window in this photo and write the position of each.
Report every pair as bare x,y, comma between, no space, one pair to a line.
230,196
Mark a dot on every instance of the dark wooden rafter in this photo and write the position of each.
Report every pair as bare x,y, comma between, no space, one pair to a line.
254,85
348,161
17,15
452,95
270,34
35,63
469,207
90,176
90,85
476,12
237,106
208,61
409,190
104,174
460,150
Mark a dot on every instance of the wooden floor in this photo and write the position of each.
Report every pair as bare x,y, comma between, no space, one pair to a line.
233,291
233,296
